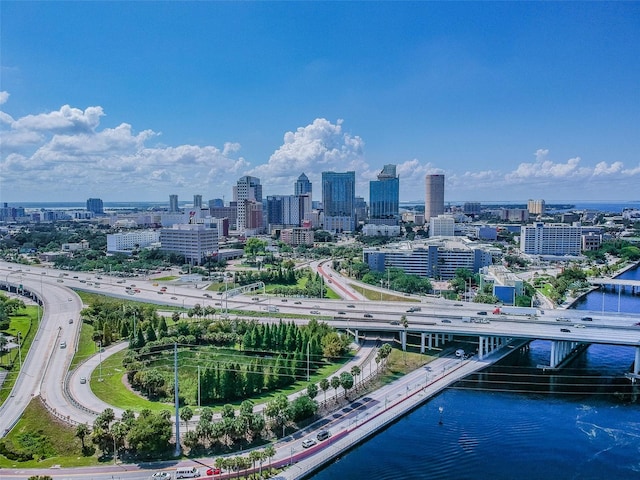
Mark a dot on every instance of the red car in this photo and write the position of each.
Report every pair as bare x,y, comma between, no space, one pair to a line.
213,471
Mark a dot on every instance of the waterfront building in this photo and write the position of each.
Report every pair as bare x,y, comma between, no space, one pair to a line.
302,186
551,239
431,259
384,197
247,188
536,207
442,226
173,203
95,205
338,200
130,241
434,198
194,241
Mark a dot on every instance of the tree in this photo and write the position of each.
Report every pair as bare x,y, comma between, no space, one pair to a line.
355,371
186,414
335,383
312,390
82,430
324,386
270,452
346,382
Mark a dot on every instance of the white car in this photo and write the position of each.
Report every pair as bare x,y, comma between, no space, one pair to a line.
161,475
309,442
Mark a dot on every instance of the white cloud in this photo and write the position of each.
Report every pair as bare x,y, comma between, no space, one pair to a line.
4,96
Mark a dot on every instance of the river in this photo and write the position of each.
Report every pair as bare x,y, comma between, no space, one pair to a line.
512,422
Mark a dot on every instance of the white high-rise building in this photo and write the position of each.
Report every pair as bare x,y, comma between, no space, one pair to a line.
194,241
247,188
442,226
553,239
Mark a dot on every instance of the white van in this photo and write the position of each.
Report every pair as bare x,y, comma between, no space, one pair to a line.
187,472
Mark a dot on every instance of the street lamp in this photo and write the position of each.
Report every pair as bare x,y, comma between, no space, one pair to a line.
381,282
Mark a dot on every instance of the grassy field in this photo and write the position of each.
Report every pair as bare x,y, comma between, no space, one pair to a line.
27,325
386,297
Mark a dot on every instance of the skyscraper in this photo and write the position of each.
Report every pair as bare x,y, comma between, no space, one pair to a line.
338,200
302,186
434,198
247,188
95,205
197,201
173,203
384,197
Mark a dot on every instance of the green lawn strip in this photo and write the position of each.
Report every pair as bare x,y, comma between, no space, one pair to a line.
86,346
113,391
87,298
27,324
375,295
166,279
43,435
400,363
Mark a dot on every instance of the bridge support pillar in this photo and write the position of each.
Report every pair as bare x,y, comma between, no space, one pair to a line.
422,335
430,341
560,351
355,337
403,336
636,363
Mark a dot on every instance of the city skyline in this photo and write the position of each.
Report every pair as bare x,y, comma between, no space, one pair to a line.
509,101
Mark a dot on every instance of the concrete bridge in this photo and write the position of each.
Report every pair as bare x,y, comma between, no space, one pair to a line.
570,332
621,284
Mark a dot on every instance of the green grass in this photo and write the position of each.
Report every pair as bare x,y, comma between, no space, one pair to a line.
41,432
166,279
86,346
88,298
386,297
27,324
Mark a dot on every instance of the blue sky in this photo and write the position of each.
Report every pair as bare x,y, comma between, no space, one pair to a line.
140,100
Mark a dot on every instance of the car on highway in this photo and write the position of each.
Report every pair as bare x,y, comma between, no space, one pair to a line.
351,306
255,299
565,330
298,303
174,298
445,320
587,319
63,344
71,320
83,380
394,322
69,299
368,315
578,325
341,313
481,313
323,435
309,442
284,300
213,471
314,312
207,295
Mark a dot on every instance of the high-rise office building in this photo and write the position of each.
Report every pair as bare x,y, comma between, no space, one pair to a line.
338,200
173,203
434,198
247,188
302,186
384,197
95,205
197,201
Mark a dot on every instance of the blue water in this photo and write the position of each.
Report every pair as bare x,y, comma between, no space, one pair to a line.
512,422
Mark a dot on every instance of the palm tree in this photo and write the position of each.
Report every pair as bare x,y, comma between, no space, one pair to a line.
186,414
335,383
355,371
270,452
254,456
324,385
82,430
